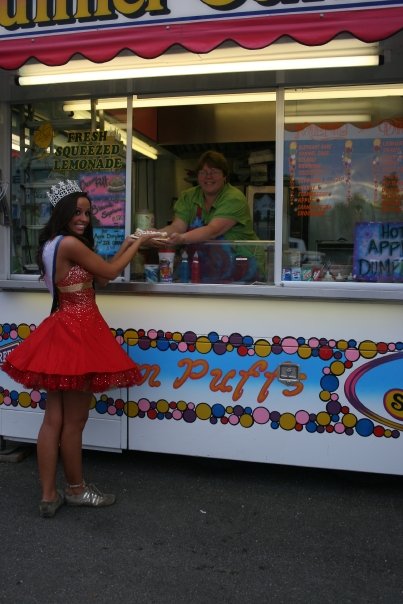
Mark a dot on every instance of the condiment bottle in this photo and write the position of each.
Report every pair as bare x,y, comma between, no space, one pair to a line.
184,276
195,269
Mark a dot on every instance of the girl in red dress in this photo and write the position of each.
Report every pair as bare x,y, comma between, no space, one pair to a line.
72,353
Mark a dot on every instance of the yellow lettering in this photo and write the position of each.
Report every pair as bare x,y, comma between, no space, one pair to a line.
156,6
44,12
102,9
129,8
88,136
150,6
61,13
141,6
20,16
82,10
41,12
61,165
225,4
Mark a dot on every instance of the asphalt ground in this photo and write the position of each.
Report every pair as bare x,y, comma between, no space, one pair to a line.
201,531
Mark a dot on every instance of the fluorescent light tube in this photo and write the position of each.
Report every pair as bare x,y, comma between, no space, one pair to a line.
277,57
350,118
172,101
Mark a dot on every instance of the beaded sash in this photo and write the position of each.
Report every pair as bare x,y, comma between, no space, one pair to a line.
49,261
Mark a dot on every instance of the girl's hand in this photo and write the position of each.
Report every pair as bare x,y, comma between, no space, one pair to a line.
146,237
127,242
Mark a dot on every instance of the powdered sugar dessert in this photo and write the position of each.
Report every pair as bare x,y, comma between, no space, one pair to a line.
158,234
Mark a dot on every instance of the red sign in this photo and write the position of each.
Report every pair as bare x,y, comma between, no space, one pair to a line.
151,27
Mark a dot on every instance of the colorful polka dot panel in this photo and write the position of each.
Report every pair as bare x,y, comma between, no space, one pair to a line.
345,365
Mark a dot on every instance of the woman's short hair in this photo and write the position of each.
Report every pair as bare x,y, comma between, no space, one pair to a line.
213,159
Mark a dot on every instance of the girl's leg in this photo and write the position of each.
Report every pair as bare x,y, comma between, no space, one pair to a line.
48,445
76,406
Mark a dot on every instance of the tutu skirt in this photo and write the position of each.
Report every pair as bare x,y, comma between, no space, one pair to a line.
73,348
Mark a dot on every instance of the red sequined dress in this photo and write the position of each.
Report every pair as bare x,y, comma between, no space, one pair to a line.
73,348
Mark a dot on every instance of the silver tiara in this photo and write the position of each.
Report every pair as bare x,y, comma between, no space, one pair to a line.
57,192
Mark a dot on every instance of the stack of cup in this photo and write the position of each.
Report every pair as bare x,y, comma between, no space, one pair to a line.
166,266
151,273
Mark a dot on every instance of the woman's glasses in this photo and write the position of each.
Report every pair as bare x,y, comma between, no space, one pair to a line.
212,172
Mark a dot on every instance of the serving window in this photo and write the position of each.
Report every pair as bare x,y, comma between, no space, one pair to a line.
133,185
341,217
344,174
50,145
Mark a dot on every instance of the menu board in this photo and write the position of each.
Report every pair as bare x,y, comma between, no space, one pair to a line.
354,166
108,240
107,191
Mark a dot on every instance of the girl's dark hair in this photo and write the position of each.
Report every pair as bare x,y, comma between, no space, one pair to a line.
58,224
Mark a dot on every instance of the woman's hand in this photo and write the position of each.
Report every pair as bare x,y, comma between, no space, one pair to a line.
176,238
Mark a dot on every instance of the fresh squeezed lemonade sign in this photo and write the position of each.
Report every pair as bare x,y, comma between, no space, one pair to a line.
40,16
89,151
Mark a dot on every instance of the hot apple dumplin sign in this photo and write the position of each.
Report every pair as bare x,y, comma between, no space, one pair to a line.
378,252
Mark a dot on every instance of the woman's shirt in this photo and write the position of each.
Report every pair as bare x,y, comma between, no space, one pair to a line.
230,203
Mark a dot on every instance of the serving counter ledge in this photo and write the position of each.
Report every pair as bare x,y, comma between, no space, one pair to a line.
377,292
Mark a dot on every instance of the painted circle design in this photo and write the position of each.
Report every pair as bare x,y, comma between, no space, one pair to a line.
339,357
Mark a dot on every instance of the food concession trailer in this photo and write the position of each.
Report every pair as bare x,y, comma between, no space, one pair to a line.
305,98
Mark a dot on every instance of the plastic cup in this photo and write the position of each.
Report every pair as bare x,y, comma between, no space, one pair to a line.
151,273
306,272
166,266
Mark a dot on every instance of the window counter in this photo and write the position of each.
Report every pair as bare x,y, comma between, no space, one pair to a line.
329,291
232,269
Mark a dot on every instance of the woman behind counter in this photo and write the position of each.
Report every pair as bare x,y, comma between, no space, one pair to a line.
214,209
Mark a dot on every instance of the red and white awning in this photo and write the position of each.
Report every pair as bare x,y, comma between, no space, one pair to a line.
102,41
